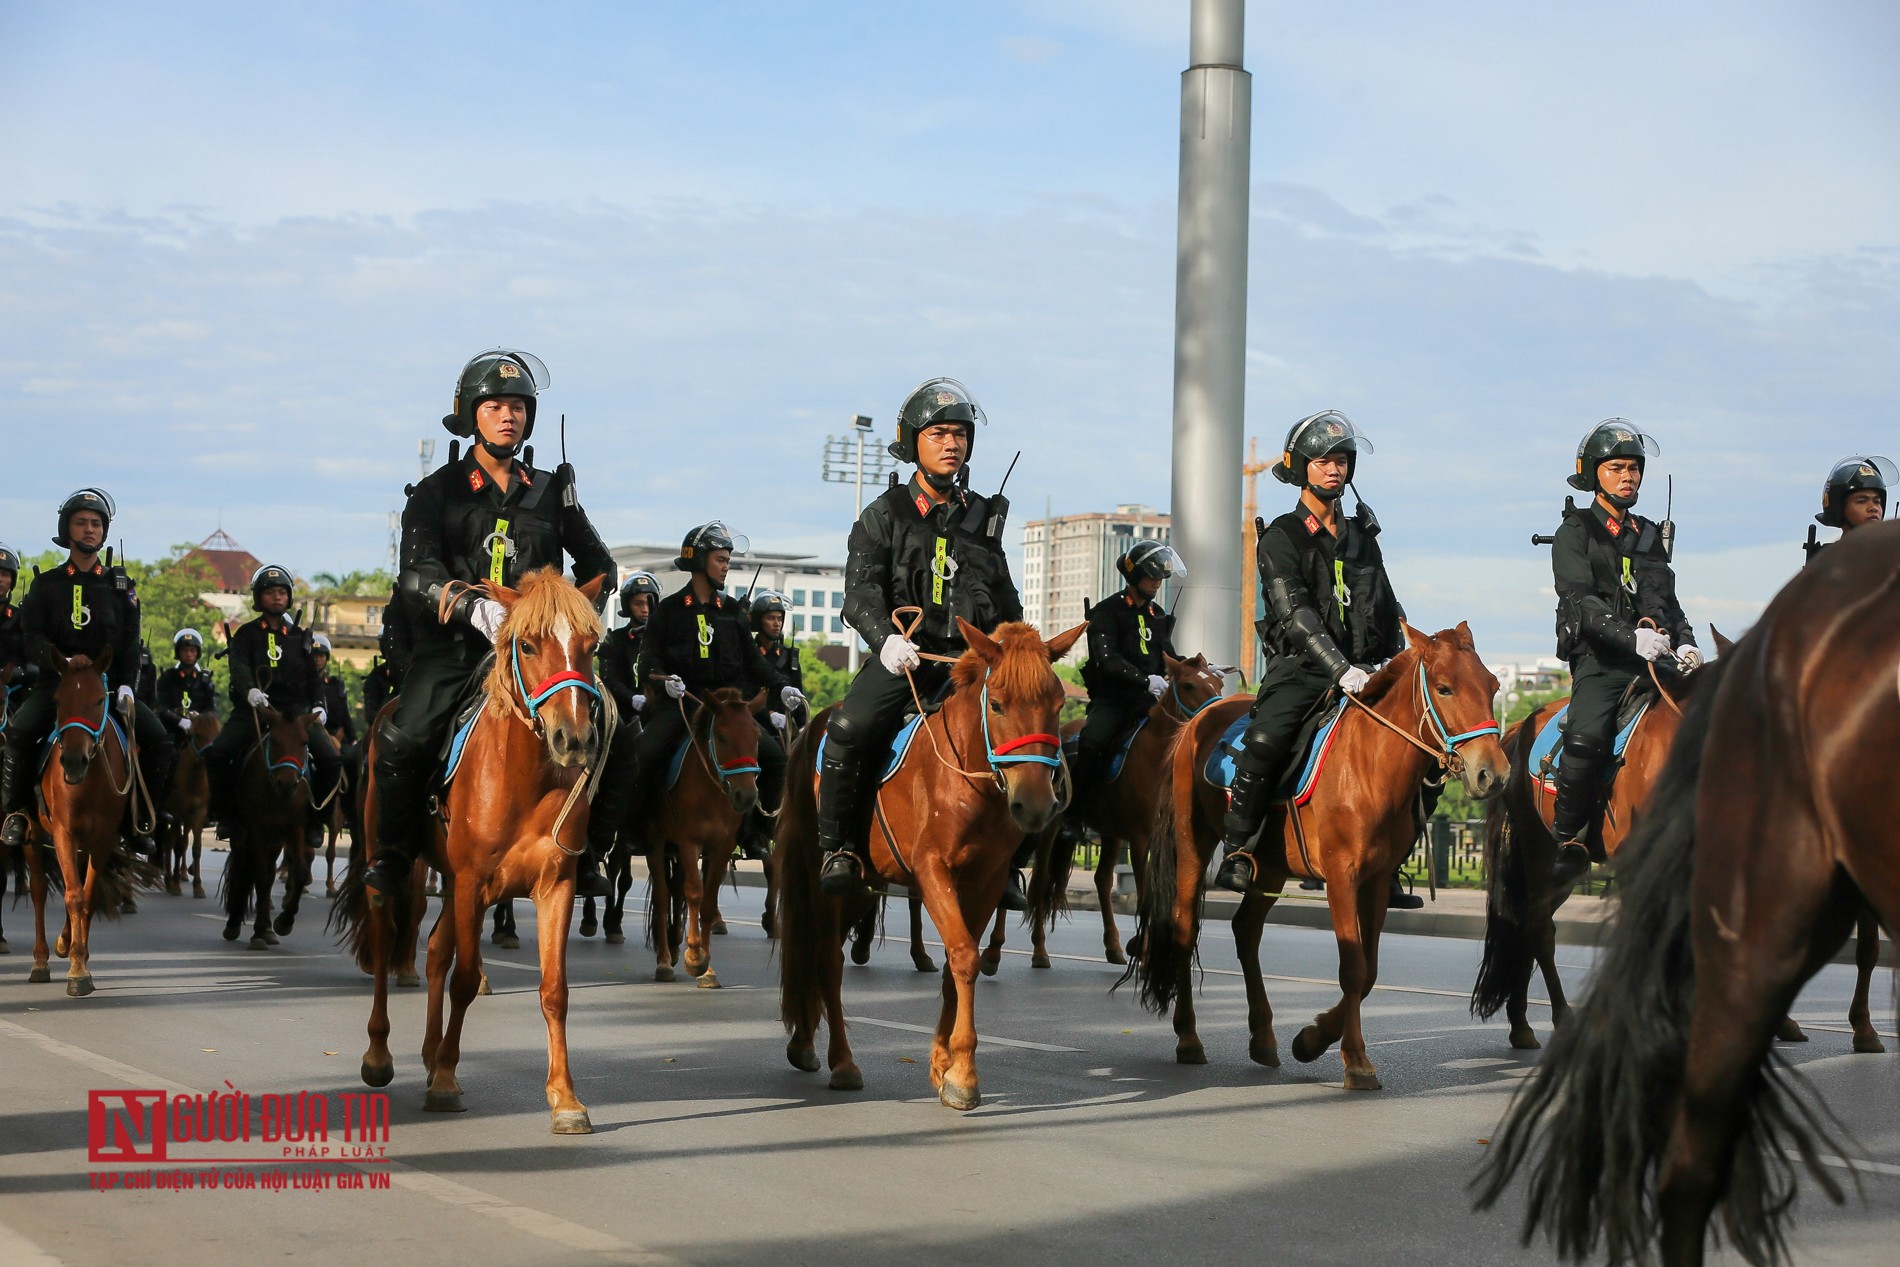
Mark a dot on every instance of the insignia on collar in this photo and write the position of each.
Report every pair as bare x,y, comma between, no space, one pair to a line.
475,481
1615,528
1312,525
923,505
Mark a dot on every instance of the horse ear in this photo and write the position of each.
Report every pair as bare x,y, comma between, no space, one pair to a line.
1173,664
58,661
979,642
103,660
1464,636
1723,645
1418,638
1198,660
592,588
1059,645
757,702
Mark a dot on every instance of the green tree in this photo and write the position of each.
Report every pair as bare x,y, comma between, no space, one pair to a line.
824,685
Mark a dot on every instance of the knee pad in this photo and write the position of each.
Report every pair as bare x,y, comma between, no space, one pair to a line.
1262,748
1585,749
842,730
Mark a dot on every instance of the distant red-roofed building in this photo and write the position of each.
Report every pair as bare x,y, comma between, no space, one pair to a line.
233,565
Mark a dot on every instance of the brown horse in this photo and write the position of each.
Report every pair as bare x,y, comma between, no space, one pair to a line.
1662,1103
84,792
346,911
1434,700
517,801
693,828
1121,812
186,810
980,777
272,801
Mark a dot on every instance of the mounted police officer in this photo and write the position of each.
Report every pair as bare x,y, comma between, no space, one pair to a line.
16,672
186,687
769,610
1616,614
698,642
336,693
1331,618
1854,495
929,543
83,608
617,664
486,516
1130,638
273,665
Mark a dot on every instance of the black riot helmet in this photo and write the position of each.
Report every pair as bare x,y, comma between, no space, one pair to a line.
639,583
702,541
9,560
939,400
1153,559
1611,438
764,603
265,577
93,499
187,638
1317,436
496,372
1854,475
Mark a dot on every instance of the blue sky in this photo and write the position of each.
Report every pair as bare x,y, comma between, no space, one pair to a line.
243,251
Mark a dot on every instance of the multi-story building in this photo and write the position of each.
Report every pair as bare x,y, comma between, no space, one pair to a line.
1069,561
816,589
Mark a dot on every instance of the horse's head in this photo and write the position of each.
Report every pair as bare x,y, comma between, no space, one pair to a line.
1011,678
544,662
80,702
732,744
1457,695
286,749
1193,684
204,728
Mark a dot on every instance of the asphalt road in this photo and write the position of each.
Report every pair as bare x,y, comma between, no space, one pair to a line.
1091,1145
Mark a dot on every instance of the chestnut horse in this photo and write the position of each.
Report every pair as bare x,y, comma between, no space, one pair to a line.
187,808
346,910
1121,812
693,828
272,801
1663,1102
980,777
515,821
84,793
1430,706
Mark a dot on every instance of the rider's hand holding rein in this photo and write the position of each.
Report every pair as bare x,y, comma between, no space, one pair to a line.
898,655
256,698
126,700
486,617
1652,644
1689,659
1354,680
675,688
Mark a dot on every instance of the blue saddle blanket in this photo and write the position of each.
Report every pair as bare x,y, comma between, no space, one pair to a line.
900,748
1115,763
1220,764
458,744
1546,756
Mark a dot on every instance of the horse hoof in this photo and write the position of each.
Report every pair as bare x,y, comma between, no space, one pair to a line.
1190,1053
378,1075
174,889
768,925
924,963
408,980
589,927
616,939
1524,1038
128,907
259,943
709,980
4,948
804,1057
39,976
1362,1080
1308,1046
1265,1052
1868,1044
484,987
1789,1032
1134,947
665,973
572,1122
861,952
1039,959
509,942
988,966
284,923
719,928
848,1078
1114,955
329,888
197,889
78,987
696,965
434,1101
962,1099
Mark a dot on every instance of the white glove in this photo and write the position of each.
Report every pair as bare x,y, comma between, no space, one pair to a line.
323,717
1157,685
1651,644
127,701
898,654
777,720
675,688
639,703
1354,680
184,724
793,697
1690,659
256,698
486,616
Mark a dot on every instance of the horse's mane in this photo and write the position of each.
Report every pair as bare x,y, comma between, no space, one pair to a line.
1022,674
1392,675
546,602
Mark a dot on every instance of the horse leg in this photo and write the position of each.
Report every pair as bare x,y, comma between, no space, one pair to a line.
695,950
329,860
1040,905
1188,865
953,1053
441,959
1249,921
1543,960
993,953
82,896
768,921
197,861
36,884
302,872
261,880
1105,898
418,907
462,913
553,907
378,1067
716,863
590,922
1356,929
619,880
919,957
661,929
845,1074
1866,959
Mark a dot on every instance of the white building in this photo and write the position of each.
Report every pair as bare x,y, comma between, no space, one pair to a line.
816,589
1070,560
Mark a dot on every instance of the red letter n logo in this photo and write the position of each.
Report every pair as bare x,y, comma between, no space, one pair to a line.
125,1126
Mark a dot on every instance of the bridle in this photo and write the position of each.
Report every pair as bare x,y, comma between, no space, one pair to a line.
1446,754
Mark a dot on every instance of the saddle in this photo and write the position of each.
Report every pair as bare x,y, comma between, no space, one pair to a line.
1072,745
1546,755
468,711
894,760
1312,746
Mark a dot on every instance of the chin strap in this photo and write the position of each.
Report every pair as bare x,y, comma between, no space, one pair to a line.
500,452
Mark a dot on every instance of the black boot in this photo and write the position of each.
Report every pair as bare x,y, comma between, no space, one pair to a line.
1254,781
1015,893
838,799
1397,899
587,877
15,786
1573,816
399,820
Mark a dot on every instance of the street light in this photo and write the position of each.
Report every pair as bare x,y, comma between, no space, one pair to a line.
846,462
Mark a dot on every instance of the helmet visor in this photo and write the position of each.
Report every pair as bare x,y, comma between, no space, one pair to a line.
1618,438
1162,563
1327,431
1865,472
716,536
537,371
940,396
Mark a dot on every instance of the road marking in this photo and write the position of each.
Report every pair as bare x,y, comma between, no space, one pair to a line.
549,1227
981,1038
1422,1038
1888,1169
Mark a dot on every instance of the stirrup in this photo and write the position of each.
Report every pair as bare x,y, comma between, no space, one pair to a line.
1571,865
842,874
13,830
386,875
1229,878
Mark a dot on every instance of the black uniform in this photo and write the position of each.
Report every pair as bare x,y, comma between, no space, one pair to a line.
77,613
1330,606
1129,640
707,646
616,664
146,692
272,655
336,708
13,659
782,656
1610,575
182,691
459,525
907,551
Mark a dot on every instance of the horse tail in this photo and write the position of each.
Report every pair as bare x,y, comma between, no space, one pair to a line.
795,854
1508,940
1155,966
1592,1121
1049,886
234,889
670,875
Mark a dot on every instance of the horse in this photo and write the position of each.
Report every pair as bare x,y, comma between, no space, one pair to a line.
85,790
1429,707
1664,1103
943,828
187,809
693,829
273,803
519,798
1121,811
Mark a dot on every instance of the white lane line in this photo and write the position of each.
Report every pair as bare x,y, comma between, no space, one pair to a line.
1422,1038
1888,1169
981,1038
17,1251
548,1227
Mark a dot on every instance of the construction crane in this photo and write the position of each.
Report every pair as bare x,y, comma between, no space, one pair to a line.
1250,574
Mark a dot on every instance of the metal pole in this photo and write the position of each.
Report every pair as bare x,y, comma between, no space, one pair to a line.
1210,328
852,656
